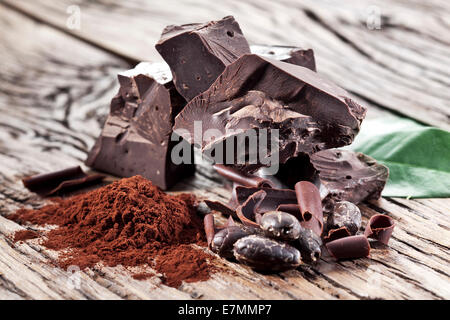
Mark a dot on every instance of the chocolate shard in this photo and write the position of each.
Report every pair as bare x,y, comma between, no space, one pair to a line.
345,214
334,234
349,247
349,176
380,227
208,222
294,55
197,53
256,93
273,198
247,212
242,178
47,184
221,207
136,137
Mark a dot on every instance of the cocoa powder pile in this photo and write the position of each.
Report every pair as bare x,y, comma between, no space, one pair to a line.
130,222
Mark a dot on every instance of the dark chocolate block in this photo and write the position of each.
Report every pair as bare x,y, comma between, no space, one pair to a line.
294,55
135,139
197,53
255,93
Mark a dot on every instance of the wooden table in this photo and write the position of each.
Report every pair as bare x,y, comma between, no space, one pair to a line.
57,81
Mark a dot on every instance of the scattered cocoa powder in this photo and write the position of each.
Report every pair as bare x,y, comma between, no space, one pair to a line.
129,222
23,235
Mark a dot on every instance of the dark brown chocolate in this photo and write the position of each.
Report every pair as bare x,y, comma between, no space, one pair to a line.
309,202
255,93
221,207
334,234
380,227
349,247
241,178
291,209
197,53
47,184
248,210
294,55
349,176
264,254
136,138
209,225
273,198
345,214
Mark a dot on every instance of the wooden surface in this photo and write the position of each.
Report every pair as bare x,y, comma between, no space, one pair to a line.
55,88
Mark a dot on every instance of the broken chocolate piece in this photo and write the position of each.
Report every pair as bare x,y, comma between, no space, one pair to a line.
197,53
248,210
136,138
350,176
345,214
294,55
380,227
309,202
309,244
349,247
280,225
47,184
241,178
274,197
335,234
221,207
264,254
256,93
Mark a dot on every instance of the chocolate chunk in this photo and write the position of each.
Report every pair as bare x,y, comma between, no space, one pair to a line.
280,225
294,55
197,53
349,247
221,207
241,178
380,227
309,244
310,205
47,184
350,176
345,214
225,239
334,234
264,254
136,138
256,93
273,198
247,212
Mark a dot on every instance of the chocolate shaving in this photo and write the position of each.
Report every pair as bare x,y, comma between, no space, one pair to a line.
314,224
309,202
221,207
335,234
380,227
210,231
349,247
247,211
241,178
50,183
274,197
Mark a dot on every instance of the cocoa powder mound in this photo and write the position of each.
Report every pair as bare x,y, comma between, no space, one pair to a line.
130,222
23,235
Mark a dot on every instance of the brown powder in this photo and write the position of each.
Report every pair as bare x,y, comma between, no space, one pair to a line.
129,222
23,235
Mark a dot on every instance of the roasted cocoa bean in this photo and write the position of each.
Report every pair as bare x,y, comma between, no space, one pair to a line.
309,244
223,241
280,225
264,254
345,214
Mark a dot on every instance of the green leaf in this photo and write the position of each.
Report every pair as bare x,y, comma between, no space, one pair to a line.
418,157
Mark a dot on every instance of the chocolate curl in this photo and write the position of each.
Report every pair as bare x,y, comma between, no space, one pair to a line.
244,179
274,197
335,234
291,209
221,207
349,247
247,211
380,227
210,231
310,205
50,183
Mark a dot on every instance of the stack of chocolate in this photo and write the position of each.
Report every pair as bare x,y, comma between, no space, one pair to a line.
215,79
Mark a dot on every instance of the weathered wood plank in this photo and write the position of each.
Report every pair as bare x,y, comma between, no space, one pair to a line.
55,95
403,66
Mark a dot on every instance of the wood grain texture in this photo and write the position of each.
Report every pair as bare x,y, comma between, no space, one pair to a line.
54,96
404,66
